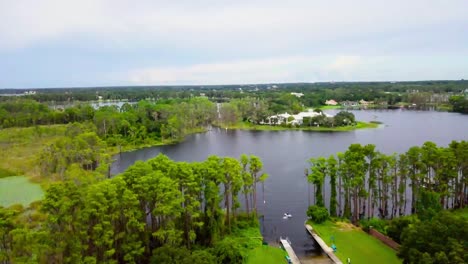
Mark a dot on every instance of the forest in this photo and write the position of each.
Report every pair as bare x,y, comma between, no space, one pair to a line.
134,124
163,211
405,196
152,213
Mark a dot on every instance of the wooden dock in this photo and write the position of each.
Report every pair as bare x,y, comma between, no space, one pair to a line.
287,246
328,250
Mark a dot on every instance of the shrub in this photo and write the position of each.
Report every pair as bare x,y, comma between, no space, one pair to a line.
228,251
376,223
318,214
396,226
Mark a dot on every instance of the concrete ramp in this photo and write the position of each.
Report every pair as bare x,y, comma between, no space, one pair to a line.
328,250
287,246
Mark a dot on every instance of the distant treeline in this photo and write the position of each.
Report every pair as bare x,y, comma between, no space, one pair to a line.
166,119
315,94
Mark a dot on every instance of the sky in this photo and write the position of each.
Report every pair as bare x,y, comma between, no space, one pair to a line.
64,43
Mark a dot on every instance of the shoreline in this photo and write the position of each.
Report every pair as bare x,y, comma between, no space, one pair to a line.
249,126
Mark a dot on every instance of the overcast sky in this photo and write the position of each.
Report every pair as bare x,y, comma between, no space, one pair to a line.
56,43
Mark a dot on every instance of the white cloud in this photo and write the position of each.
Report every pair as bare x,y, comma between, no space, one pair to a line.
282,69
212,23
248,71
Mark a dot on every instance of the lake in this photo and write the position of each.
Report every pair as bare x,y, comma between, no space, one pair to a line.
19,190
285,155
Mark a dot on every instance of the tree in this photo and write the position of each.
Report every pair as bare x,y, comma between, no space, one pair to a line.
317,176
428,204
247,181
440,239
232,184
318,214
255,167
332,171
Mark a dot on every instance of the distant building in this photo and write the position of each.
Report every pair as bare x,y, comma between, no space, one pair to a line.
331,102
295,120
29,92
365,103
297,94
349,103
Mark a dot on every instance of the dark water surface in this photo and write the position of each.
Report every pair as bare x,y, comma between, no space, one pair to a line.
285,155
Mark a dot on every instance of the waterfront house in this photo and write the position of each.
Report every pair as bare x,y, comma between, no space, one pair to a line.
297,94
331,102
365,103
350,104
296,120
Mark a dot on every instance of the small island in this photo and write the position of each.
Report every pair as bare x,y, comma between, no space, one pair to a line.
310,120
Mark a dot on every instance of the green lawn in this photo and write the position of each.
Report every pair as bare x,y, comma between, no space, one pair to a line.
19,190
352,242
328,107
267,254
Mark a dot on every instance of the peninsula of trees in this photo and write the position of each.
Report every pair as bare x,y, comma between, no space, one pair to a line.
376,190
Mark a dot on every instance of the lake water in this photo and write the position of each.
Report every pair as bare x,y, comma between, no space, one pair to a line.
285,155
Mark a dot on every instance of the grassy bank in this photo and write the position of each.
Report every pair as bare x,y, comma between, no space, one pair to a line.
353,243
19,152
250,126
250,240
20,147
330,107
266,254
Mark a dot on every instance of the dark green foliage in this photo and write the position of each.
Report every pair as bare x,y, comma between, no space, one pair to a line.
374,223
459,104
444,239
159,211
344,118
228,251
428,204
369,182
397,226
170,255
201,257
318,214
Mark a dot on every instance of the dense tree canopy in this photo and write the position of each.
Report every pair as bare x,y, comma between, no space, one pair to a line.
372,183
159,210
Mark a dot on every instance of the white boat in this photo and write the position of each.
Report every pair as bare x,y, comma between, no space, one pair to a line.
287,215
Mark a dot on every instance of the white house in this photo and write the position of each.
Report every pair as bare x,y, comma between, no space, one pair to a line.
297,94
331,102
295,120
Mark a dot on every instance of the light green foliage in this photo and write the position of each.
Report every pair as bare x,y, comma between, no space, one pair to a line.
255,167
